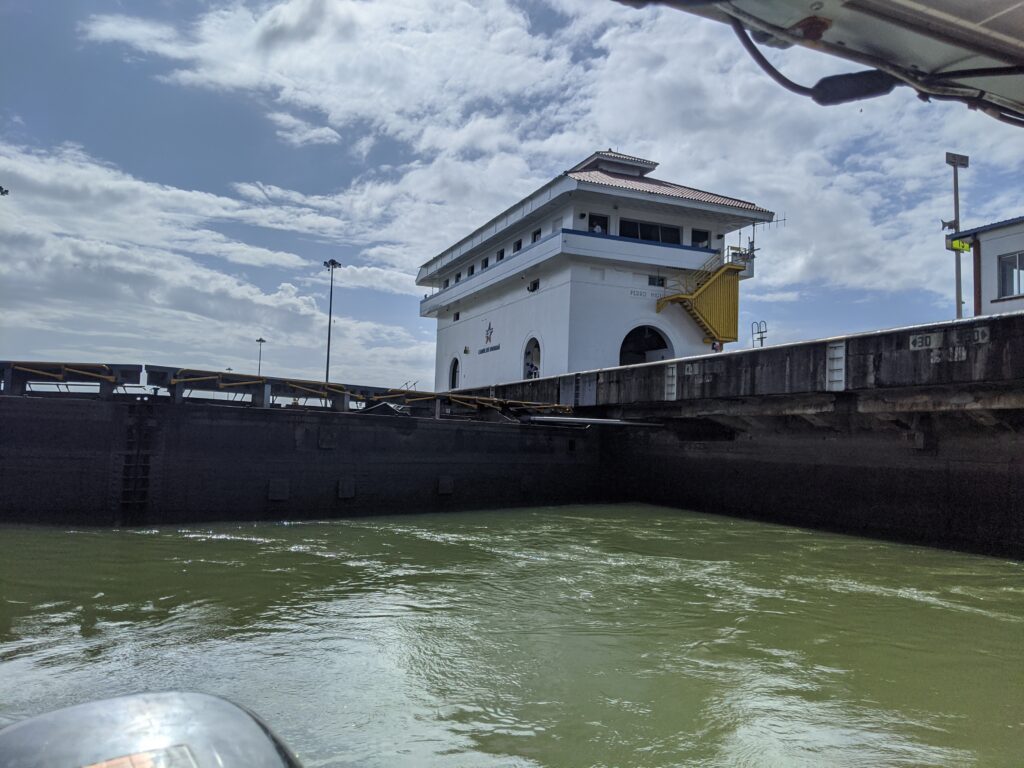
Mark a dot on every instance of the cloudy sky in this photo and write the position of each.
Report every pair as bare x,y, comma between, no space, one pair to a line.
180,169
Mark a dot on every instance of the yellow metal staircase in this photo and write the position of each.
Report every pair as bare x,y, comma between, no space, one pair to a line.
711,295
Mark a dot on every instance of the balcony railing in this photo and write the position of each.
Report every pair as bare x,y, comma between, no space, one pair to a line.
610,239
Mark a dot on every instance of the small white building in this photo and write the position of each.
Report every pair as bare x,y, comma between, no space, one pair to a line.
998,260
601,266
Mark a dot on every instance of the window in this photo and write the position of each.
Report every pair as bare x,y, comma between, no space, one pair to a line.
700,238
533,286
654,233
517,246
650,232
455,317
598,224
1011,282
500,254
485,263
447,282
458,276
471,270
656,280
535,236
556,224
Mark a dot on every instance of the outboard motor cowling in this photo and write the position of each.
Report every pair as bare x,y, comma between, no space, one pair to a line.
148,730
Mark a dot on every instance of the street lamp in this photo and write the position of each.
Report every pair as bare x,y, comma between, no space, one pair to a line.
259,362
331,264
957,161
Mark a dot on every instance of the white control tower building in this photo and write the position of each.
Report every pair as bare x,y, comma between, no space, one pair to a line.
601,266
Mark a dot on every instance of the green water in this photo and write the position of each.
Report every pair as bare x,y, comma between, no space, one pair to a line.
579,636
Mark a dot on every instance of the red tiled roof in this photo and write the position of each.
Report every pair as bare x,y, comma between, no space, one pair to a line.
609,154
658,187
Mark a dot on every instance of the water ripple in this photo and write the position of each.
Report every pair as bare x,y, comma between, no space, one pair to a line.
580,636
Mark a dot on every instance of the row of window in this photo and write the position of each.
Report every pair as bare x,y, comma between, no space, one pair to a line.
655,233
485,262
662,233
1011,275
638,230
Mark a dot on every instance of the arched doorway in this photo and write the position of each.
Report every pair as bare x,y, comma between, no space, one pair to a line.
644,344
453,374
531,360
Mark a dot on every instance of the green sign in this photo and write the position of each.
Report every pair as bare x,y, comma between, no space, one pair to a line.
960,245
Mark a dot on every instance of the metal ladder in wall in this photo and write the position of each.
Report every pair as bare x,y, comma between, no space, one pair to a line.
835,366
137,464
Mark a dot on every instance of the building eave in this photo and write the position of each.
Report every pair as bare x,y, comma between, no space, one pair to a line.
542,197
985,228
748,214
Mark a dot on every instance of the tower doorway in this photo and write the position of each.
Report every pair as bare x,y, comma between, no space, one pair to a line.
644,344
453,374
531,360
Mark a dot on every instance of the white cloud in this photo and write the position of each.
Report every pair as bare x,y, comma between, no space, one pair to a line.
69,194
773,296
97,260
492,109
299,133
150,36
395,65
374,278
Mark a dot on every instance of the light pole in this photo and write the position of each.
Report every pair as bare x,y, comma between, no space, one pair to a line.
259,362
331,264
957,161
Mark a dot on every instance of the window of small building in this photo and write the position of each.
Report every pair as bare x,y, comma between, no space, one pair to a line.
649,231
598,224
458,276
456,316
500,254
533,286
658,281
700,238
470,270
1011,281
535,236
517,246
485,263
447,282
